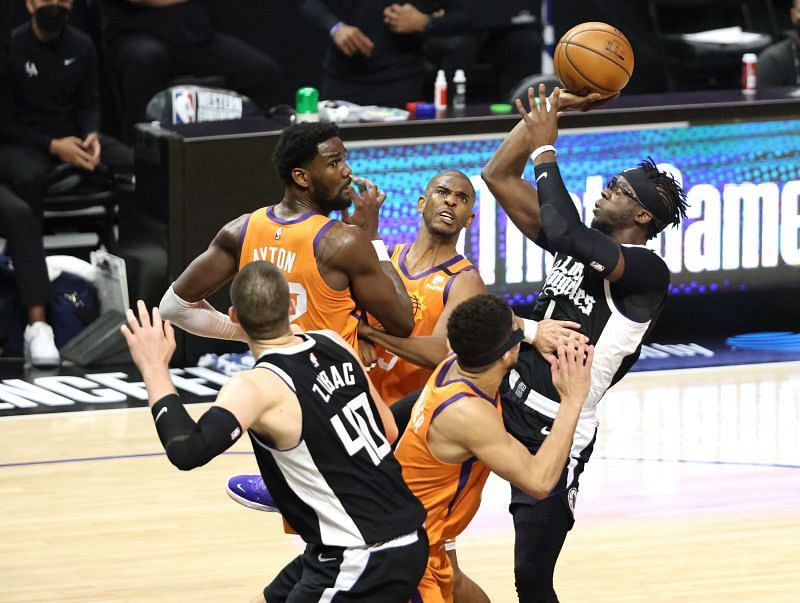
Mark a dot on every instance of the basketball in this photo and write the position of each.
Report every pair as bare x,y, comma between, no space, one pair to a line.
593,57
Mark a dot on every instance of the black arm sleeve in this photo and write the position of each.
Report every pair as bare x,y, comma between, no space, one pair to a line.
189,444
563,228
401,411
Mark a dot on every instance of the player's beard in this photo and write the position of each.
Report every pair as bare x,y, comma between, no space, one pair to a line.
602,227
333,200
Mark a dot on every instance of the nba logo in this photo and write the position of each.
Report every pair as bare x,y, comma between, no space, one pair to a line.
312,357
184,106
278,233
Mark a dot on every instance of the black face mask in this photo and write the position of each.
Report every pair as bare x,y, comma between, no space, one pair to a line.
52,17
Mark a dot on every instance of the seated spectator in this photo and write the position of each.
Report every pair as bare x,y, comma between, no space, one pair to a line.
459,33
367,63
779,64
49,109
23,237
154,41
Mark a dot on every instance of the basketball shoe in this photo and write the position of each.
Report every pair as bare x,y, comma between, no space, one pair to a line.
250,491
40,345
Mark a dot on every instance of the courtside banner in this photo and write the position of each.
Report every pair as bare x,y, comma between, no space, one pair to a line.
742,180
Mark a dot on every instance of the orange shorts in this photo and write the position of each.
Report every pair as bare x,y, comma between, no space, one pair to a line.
437,583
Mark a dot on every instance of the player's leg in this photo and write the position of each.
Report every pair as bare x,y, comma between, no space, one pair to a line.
540,530
281,587
465,590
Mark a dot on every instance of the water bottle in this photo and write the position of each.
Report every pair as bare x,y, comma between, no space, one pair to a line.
440,91
460,92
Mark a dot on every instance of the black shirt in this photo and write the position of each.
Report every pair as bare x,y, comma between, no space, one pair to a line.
48,90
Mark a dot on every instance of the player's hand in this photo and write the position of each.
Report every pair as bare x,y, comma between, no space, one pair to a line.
549,332
405,18
351,41
571,371
367,202
151,341
541,121
70,150
568,100
367,352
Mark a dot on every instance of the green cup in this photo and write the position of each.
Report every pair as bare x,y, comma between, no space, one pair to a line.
306,100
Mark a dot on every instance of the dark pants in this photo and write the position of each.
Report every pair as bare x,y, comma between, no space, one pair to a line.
26,169
541,530
23,233
145,65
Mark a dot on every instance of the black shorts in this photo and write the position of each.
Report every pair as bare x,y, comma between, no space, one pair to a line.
387,572
531,427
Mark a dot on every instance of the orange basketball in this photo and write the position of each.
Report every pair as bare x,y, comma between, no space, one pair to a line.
593,57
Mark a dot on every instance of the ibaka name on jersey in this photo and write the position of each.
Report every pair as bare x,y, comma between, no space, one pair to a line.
565,280
332,378
279,256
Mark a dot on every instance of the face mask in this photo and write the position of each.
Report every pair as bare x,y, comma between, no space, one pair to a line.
52,17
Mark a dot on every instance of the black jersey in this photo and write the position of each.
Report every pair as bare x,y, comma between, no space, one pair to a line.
340,485
575,291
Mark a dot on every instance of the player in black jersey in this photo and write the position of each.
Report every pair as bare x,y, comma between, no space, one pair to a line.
603,278
321,436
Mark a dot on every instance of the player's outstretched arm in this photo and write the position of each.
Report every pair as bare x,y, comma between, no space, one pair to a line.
503,175
188,444
184,302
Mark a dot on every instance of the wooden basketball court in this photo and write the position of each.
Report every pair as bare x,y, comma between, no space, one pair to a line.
693,494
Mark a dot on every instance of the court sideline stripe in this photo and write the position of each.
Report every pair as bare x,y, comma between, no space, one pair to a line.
602,458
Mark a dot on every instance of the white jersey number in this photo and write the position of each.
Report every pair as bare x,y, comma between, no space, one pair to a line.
387,365
301,300
363,432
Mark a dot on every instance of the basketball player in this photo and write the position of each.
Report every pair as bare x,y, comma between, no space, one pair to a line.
327,262
321,436
446,460
602,277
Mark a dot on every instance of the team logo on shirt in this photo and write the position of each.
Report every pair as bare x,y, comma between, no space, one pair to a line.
418,305
30,69
565,280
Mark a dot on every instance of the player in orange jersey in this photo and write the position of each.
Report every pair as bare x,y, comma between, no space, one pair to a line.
327,262
437,278
446,461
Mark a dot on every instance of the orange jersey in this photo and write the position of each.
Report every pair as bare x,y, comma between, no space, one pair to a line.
291,246
395,377
451,493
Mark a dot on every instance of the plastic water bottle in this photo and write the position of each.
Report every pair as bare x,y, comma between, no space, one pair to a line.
460,92
440,91
749,67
